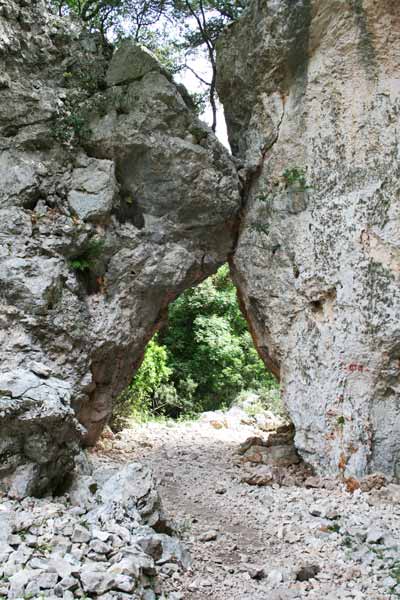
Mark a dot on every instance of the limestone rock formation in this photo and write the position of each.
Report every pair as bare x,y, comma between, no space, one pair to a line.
114,198
311,91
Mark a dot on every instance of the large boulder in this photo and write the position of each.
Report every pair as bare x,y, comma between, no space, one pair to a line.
114,198
311,92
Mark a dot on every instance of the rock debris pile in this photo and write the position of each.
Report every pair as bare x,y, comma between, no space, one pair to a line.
257,531
98,541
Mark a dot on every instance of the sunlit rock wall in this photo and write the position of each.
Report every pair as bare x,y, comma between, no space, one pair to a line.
311,91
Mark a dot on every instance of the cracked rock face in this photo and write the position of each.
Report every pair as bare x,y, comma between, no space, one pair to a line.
114,198
311,91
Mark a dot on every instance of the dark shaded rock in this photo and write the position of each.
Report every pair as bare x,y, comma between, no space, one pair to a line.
307,572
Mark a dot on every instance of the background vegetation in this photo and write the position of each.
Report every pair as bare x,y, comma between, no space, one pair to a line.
202,360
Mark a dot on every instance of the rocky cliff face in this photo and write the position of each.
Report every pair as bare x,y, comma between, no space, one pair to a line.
113,199
311,91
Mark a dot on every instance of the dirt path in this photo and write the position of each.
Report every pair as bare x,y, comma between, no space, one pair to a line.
258,543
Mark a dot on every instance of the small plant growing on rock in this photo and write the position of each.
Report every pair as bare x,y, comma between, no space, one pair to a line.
260,227
69,128
22,534
295,177
347,542
263,198
395,574
84,80
85,261
45,548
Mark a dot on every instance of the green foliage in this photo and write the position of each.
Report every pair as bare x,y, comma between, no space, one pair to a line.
202,360
208,342
83,81
263,198
70,128
395,573
204,20
142,14
164,48
347,541
260,227
44,548
80,264
199,100
85,261
295,176
153,374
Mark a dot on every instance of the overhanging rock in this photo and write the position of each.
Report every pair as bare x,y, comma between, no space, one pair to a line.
114,198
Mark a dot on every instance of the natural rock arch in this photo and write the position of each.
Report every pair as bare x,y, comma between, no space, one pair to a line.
115,197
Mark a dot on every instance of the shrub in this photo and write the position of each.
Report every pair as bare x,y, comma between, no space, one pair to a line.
150,391
85,261
296,177
70,128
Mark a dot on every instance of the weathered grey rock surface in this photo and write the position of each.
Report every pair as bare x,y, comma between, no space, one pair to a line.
311,91
114,198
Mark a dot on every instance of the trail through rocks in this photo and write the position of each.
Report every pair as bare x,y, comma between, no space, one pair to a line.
272,542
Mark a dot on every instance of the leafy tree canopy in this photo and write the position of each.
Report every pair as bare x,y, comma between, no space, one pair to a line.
204,357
